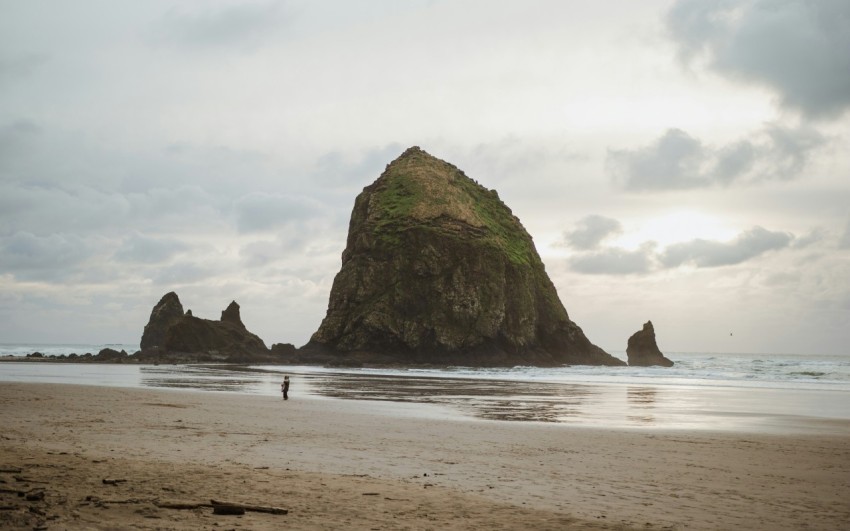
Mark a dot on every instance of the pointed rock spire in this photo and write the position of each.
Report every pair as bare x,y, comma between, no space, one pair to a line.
643,351
231,315
166,312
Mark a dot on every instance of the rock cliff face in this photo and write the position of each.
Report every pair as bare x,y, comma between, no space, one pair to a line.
438,270
170,332
643,351
166,312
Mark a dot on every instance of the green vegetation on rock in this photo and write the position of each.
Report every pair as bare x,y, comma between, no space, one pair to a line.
420,191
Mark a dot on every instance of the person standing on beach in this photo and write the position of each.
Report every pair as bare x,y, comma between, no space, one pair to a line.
284,387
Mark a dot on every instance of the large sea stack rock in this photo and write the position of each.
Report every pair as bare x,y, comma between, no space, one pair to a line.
643,351
438,270
203,339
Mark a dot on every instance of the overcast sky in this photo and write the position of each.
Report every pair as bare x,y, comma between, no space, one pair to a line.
680,161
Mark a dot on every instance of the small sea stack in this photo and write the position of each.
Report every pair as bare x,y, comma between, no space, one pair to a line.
643,351
171,333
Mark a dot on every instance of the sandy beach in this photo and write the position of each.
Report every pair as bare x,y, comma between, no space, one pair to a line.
368,465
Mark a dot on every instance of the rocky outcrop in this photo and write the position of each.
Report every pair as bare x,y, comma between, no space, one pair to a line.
285,351
642,350
163,316
231,315
110,355
184,337
437,270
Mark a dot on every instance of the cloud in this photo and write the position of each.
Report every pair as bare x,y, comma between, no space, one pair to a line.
183,273
345,172
701,253
140,248
502,159
707,253
19,66
259,212
844,242
678,161
47,258
44,210
814,236
797,48
243,26
260,253
15,139
615,261
671,162
591,231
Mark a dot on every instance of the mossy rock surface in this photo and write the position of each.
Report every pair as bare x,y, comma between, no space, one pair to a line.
438,270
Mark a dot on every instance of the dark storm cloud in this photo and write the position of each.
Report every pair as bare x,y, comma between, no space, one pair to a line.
614,261
591,231
797,48
678,161
243,25
706,253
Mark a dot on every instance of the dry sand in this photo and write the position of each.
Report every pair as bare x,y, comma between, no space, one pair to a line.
365,465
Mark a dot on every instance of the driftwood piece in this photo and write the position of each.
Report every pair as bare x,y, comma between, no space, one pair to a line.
35,495
228,510
113,481
187,506
128,500
253,508
215,503
22,479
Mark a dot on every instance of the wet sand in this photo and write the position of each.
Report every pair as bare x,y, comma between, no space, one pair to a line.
384,465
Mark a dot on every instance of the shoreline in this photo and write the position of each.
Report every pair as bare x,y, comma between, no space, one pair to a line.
576,402
526,473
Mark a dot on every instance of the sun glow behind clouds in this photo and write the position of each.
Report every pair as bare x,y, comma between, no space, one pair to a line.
674,227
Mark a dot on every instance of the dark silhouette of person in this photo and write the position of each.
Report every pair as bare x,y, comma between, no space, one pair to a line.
284,387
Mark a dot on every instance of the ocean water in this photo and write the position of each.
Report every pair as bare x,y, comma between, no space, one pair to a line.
792,371
709,391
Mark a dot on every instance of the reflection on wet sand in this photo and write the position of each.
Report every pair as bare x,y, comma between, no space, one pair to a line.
202,378
487,399
640,400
